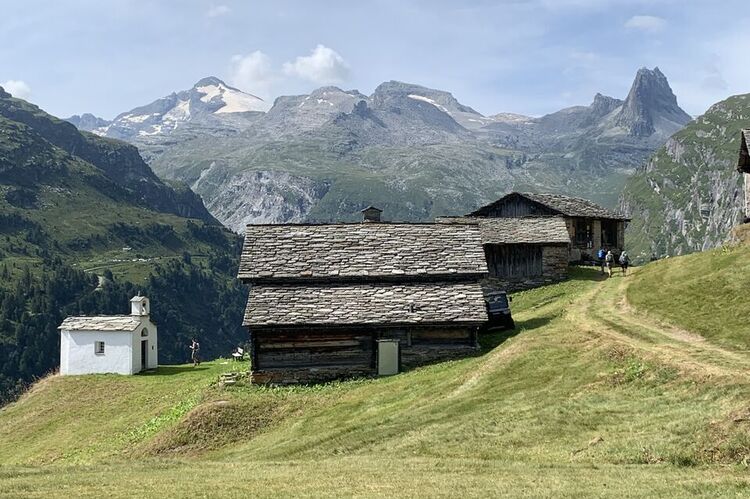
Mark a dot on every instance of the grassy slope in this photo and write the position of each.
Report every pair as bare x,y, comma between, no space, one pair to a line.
705,293
588,396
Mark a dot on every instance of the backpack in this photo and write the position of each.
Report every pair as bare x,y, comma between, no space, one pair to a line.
624,259
610,258
601,254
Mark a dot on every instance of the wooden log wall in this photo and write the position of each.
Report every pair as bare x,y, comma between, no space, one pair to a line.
514,260
289,349
316,355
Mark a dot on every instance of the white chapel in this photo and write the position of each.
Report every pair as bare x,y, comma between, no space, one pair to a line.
122,344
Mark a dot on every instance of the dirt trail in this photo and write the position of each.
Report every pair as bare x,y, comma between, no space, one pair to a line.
624,324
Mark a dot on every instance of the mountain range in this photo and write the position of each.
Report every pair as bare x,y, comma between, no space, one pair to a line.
415,151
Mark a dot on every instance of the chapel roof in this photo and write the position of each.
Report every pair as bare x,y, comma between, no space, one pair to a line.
125,323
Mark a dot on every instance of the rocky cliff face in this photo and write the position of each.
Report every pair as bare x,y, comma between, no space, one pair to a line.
689,196
416,150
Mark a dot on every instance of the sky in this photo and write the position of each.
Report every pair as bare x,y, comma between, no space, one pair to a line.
524,56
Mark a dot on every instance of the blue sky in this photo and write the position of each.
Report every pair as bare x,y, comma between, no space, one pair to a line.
524,56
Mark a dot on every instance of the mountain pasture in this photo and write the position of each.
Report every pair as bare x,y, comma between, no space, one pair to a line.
588,396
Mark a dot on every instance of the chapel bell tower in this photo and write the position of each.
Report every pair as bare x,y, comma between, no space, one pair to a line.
139,305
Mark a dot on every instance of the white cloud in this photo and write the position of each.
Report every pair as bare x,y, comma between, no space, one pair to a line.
252,73
218,10
17,88
651,24
323,66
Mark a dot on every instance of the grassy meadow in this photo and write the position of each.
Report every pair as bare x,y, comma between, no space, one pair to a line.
616,388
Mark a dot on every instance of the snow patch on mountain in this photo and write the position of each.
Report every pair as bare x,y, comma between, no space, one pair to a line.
235,101
429,101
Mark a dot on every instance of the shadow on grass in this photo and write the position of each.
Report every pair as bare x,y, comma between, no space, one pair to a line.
588,273
172,370
492,339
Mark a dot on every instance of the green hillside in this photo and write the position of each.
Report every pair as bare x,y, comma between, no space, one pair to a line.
595,394
84,225
688,196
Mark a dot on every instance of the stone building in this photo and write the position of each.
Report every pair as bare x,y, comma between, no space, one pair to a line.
121,344
326,299
589,225
743,166
521,253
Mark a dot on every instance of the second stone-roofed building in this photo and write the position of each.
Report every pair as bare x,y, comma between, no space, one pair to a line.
590,226
324,299
521,253
743,166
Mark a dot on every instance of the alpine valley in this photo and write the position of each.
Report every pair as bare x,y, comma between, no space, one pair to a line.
84,225
413,151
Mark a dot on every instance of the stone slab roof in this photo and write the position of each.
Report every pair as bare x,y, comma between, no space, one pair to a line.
525,230
743,165
125,323
365,304
361,251
564,205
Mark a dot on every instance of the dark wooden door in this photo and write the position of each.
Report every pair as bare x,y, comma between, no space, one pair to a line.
144,354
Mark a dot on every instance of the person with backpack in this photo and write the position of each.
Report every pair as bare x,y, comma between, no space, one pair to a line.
609,260
624,262
195,348
601,255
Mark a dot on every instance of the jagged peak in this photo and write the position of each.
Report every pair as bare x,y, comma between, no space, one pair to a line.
650,96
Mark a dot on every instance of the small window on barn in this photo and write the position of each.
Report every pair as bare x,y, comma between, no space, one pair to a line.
99,347
144,332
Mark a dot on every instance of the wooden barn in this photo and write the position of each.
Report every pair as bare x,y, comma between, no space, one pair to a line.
743,166
589,225
521,253
326,300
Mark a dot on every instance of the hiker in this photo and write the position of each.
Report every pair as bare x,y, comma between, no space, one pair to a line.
624,262
609,260
601,255
196,348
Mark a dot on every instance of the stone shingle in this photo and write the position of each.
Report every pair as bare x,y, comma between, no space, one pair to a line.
363,250
125,323
365,303
564,205
525,230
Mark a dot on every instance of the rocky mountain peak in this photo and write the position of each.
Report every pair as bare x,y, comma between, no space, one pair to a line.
209,81
3,93
603,104
651,106
87,121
